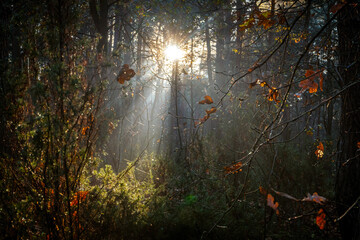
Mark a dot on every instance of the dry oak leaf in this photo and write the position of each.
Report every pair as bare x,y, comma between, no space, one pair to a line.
273,95
206,117
314,198
320,219
320,150
309,83
207,100
270,203
212,110
235,168
262,190
125,74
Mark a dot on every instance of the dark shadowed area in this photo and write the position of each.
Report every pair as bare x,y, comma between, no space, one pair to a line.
180,119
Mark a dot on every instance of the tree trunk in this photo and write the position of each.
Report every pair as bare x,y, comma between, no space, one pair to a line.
100,21
348,162
208,56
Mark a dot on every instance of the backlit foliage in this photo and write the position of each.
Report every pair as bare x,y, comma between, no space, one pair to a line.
272,204
320,219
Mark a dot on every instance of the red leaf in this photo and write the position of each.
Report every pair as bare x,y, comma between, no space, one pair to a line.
320,219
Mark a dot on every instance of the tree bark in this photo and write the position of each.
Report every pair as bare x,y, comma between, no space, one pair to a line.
208,56
100,21
348,162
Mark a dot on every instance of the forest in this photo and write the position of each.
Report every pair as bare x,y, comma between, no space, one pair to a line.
180,119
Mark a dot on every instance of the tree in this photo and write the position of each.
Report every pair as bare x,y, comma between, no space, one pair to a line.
348,162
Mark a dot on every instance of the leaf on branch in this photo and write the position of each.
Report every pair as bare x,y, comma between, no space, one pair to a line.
262,190
358,145
273,95
270,203
320,150
255,65
207,100
247,23
80,196
309,83
125,74
206,117
83,131
258,82
320,219
212,110
314,198
265,19
235,168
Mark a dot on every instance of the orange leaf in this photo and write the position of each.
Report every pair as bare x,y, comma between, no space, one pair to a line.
212,110
262,190
125,74
320,219
273,95
263,84
83,131
309,83
358,144
320,150
207,100
80,196
309,74
235,168
206,117
270,203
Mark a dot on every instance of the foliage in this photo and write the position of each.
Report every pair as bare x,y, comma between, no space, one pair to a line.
104,137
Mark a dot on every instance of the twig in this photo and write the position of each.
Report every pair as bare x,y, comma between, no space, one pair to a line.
338,219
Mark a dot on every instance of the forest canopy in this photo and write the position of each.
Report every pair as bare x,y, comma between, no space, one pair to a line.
180,119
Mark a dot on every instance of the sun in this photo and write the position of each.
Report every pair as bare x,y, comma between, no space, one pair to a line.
173,52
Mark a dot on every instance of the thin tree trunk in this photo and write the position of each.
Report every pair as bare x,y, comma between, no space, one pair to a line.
208,56
348,162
